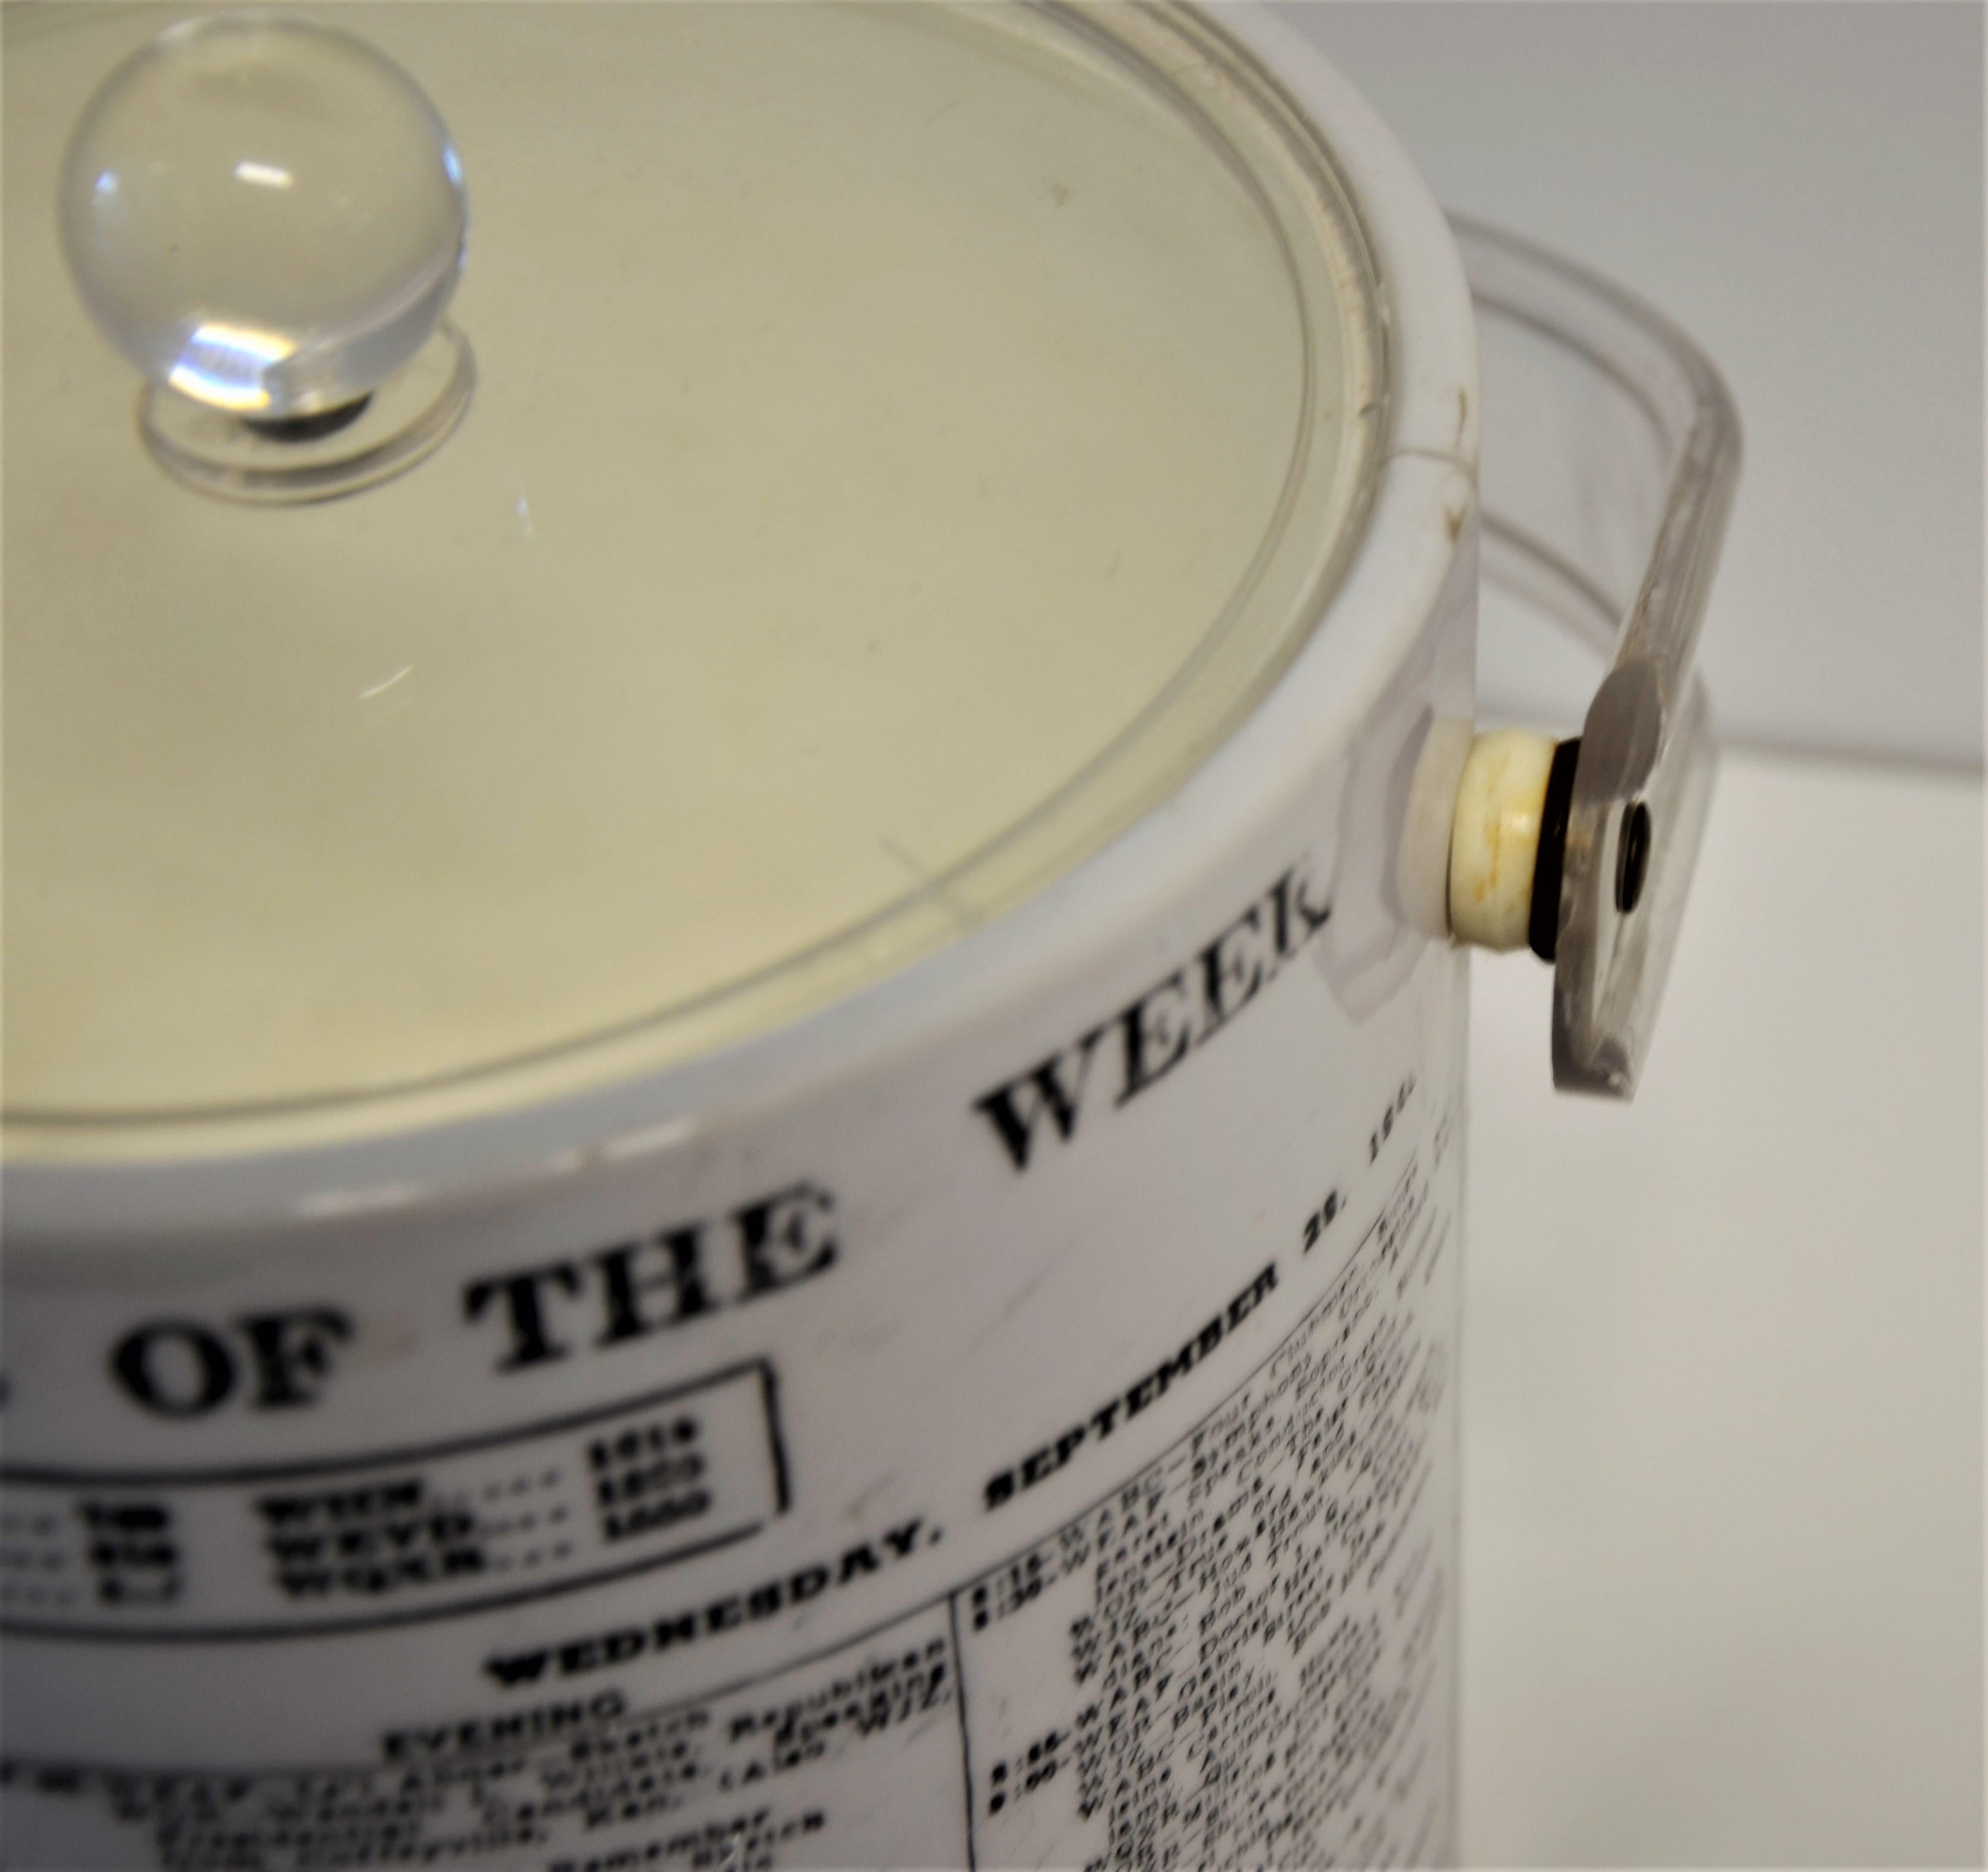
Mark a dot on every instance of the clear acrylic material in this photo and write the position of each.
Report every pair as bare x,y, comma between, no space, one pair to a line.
266,215
405,420
867,510
1611,452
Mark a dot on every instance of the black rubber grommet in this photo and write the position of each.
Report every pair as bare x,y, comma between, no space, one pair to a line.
1543,922
308,428
1633,864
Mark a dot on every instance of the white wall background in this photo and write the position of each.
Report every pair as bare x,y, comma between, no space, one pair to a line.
1799,183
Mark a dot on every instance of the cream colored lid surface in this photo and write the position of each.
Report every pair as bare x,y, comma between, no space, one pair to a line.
905,442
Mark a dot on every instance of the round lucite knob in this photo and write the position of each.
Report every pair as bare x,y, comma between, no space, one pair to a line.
267,216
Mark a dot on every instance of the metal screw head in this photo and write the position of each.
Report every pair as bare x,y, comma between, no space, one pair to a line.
1632,862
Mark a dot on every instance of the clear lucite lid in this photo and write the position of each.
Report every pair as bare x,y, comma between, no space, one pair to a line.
871,455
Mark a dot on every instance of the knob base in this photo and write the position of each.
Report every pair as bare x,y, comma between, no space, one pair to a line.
402,423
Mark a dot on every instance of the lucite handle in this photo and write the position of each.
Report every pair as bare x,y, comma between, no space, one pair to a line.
268,218
265,216
1610,455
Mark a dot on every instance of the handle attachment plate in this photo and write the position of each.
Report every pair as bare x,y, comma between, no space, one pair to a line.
1612,453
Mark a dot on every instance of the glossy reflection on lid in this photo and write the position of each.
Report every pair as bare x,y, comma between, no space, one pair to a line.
906,441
